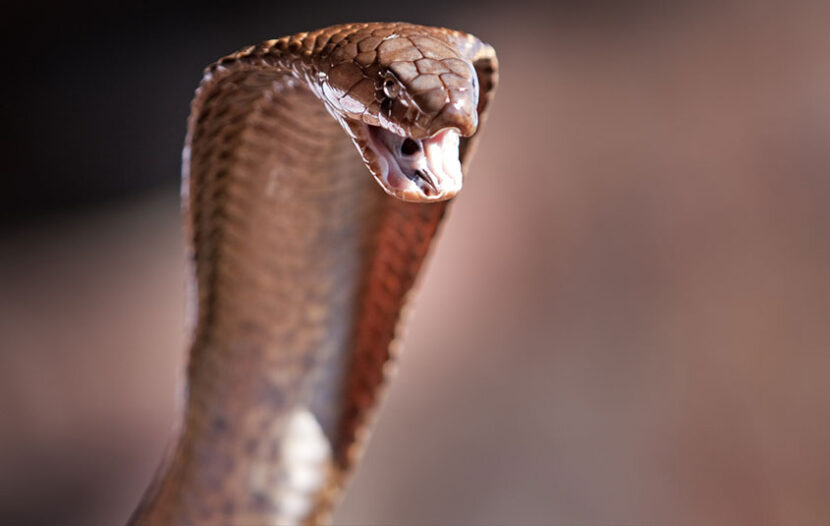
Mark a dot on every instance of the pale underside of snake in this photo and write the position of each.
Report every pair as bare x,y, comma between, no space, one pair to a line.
301,263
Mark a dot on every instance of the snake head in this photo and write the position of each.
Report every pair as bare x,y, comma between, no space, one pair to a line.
406,97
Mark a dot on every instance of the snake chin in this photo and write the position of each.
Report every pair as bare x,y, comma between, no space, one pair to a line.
417,170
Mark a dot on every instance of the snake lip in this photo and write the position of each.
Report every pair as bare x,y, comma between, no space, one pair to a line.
416,170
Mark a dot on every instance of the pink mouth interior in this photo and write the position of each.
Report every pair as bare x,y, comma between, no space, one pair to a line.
418,169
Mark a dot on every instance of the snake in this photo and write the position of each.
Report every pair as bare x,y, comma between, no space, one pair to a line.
316,171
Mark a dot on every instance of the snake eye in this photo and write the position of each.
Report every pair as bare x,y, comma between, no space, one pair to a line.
390,88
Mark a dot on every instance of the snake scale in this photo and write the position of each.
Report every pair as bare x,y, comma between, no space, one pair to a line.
301,263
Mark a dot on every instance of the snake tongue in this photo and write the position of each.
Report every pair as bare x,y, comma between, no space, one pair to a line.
427,179
418,169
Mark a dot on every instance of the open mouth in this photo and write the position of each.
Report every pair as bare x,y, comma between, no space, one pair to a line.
418,169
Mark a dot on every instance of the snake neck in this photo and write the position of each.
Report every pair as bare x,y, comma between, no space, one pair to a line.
282,216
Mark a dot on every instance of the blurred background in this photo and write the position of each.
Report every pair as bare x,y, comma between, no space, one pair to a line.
625,320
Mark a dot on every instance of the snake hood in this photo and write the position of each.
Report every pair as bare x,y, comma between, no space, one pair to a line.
406,95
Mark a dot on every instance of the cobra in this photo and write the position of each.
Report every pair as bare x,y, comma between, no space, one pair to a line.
301,263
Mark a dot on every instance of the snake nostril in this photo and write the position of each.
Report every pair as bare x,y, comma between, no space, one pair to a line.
410,147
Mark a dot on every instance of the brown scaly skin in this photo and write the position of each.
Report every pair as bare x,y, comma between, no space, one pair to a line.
301,263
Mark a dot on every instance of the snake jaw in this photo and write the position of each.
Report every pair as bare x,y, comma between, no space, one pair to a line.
417,170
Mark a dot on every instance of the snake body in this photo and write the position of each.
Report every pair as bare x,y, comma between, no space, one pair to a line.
301,263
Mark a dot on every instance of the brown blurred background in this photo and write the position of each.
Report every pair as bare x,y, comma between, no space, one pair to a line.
625,320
